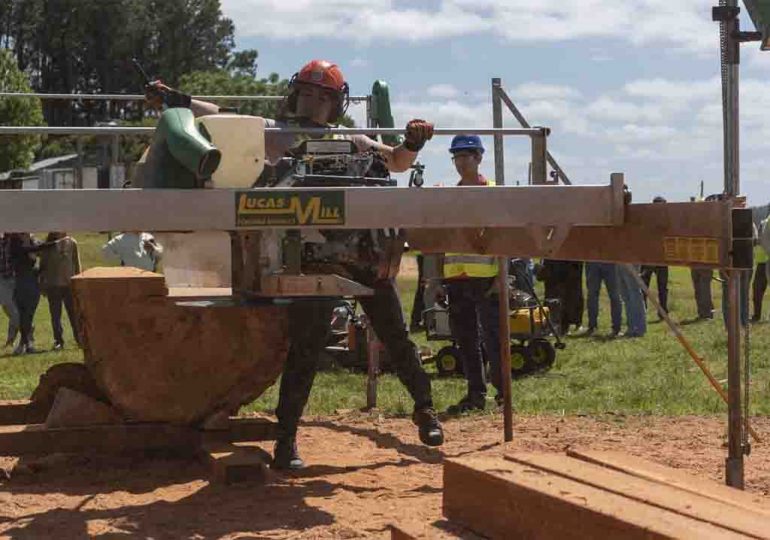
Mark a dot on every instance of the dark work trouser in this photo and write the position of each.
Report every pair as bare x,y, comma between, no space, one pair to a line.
309,331
758,288
661,274
56,297
27,297
418,305
475,318
595,274
701,284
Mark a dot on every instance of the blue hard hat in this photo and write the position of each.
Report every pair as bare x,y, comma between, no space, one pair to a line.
466,142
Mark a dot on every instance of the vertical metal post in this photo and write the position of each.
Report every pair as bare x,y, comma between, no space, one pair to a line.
79,174
115,150
368,107
503,287
734,467
539,160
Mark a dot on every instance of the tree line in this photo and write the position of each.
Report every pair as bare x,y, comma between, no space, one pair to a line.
87,46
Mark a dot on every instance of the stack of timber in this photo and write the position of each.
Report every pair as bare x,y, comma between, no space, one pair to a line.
594,495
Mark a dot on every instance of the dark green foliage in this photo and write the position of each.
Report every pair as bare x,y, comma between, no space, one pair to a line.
17,152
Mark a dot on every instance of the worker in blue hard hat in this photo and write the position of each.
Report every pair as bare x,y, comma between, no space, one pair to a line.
470,282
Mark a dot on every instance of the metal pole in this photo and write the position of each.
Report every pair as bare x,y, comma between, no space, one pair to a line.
47,130
79,150
369,120
140,97
539,167
502,277
730,45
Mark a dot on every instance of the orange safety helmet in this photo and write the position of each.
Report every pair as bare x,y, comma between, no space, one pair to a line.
326,75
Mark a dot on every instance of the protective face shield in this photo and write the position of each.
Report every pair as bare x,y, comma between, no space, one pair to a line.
316,104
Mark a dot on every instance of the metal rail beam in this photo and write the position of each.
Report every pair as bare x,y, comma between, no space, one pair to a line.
105,130
677,234
364,208
141,97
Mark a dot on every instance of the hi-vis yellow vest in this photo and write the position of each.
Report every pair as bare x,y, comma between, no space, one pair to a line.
470,265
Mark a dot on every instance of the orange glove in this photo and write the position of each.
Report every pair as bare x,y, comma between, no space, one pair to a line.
417,133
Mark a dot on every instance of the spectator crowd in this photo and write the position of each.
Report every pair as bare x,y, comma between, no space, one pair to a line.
30,268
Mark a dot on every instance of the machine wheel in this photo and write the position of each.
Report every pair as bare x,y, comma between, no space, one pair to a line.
521,361
542,353
449,361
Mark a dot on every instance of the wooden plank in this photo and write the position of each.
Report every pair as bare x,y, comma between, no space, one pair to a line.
230,463
244,430
662,496
20,412
37,439
655,472
503,499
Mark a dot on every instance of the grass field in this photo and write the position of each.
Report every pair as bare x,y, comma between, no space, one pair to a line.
651,375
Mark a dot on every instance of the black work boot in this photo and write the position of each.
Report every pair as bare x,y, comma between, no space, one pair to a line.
285,454
429,428
467,404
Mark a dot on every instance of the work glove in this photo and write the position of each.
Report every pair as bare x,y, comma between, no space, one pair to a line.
417,133
158,94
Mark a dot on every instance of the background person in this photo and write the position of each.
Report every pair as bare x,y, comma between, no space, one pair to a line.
135,249
633,298
471,285
57,266
7,287
596,273
759,286
661,275
26,288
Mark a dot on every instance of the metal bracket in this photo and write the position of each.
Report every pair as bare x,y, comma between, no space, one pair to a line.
548,238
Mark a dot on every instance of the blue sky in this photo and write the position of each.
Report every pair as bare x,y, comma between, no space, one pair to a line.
629,86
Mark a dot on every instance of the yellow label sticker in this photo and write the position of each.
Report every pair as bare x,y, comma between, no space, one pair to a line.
692,250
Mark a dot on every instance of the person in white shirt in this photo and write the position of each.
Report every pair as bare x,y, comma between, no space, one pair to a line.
136,249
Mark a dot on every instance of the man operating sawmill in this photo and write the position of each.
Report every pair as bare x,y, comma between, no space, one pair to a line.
318,96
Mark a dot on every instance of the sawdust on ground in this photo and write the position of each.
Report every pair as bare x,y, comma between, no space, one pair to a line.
364,473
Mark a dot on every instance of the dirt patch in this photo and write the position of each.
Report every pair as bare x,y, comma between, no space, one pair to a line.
364,473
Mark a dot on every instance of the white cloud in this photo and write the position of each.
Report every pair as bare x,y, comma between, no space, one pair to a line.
684,24
537,90
665,134
447,91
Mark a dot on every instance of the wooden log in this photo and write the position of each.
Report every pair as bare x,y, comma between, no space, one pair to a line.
230,463
635,466
659,495
157,361
502,499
